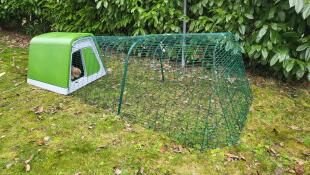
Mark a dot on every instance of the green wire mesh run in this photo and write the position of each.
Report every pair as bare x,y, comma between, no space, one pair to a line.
192,87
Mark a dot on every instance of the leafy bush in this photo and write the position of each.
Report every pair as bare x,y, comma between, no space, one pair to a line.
115,17
25,14
273,33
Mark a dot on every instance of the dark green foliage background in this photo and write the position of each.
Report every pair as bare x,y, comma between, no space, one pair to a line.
273,33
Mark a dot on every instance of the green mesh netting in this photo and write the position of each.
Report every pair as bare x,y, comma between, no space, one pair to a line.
192,87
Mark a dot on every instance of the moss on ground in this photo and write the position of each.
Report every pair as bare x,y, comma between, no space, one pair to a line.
70,136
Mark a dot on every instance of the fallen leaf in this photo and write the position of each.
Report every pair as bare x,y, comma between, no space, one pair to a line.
177,149
272,152
39,110
231,157
279,171
60,106
2,137
299,169
117,171
78,173
296,128
46,139
27,167
40,142
298,140
306,154
77,113
9,165
281,144
128,127
291,171
28,160
242,158
140,171
109,70
1,74
164,149
99,148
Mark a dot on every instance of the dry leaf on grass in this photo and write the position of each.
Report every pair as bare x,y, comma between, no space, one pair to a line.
128,127
177,149
140,171
306,154
77,112
1,74
232,157
46,139
296,128
39,110
92,126
9,165
281,144
43,141
279,171
291,171
117,171
101,147
28,160
299,169
272,152
27,167
163,149
40,142
78,173
109,70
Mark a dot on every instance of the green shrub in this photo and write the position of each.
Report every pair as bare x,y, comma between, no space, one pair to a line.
24,14
115,17
273,33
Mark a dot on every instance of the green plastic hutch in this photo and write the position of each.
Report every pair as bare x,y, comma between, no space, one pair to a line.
53,55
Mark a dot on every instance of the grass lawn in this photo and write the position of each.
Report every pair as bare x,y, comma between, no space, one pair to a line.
46,133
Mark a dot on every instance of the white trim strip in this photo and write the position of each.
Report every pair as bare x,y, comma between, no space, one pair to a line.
77,84
49,87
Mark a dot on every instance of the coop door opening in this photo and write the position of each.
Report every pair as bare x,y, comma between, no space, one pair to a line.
77,66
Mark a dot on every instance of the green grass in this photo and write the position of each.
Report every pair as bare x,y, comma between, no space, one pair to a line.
90,140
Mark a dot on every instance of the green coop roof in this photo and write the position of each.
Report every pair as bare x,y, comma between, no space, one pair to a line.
49,57
59,37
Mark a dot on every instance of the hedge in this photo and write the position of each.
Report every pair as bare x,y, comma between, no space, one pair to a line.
273,33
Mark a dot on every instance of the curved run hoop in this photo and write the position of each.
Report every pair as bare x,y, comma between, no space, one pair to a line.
203,104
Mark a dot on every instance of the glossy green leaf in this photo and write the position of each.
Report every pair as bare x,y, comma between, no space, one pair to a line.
249,16
99,4
299,4
274,60
306,11
265,53
300,73
289,66
261,33
302,47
